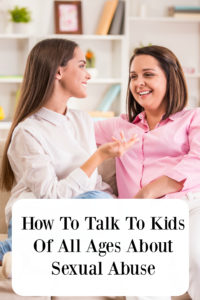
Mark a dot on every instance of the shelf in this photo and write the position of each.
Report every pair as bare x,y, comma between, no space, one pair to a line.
112,51
10,79
14,36
164,19
82,36
5,125
64,36
105,80
18,79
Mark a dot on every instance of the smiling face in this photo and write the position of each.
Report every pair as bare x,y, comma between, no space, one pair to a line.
148,83
74,75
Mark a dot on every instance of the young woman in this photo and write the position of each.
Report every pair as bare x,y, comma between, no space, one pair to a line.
51,150
165,163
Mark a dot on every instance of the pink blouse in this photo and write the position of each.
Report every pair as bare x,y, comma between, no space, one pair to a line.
171,149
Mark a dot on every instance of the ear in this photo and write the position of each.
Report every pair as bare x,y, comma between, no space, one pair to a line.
59,73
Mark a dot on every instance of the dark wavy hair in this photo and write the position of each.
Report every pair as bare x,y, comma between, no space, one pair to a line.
37,86
176,93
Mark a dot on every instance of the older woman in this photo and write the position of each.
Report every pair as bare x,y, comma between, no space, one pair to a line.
165,163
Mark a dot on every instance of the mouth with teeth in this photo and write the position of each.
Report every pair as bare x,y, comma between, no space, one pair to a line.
143,93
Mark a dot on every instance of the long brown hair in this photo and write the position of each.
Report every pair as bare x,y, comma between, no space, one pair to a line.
176,93
37,86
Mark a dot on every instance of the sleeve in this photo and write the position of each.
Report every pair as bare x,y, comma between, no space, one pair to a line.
104,130
188,169
34,168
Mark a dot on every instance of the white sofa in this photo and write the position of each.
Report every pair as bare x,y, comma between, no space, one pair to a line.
107,171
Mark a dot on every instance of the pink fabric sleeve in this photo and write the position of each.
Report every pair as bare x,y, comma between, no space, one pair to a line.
188,168
104,130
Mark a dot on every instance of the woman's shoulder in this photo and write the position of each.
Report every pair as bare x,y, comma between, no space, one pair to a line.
78,113
80,118
187,113
24,136
194,111
111,127
30,125
28,122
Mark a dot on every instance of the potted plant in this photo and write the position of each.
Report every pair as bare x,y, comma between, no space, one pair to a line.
90,63
20,17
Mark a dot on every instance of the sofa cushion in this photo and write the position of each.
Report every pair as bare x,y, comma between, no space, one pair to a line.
182,297
4,196
108,172
88,298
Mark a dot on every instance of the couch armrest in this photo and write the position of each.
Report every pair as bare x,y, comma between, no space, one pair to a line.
183,297
108,172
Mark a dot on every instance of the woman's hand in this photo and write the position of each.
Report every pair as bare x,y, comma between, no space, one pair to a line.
159,187
106,151
116,148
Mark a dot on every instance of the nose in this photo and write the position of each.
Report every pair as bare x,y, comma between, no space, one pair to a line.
140,81
88,76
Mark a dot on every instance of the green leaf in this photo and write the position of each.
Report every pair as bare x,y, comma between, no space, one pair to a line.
20,14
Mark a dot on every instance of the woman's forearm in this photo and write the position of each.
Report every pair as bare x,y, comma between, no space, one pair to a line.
110,150
92,163
160,187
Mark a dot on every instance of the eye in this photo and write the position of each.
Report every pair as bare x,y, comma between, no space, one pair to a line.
82,66
148,74
133,76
